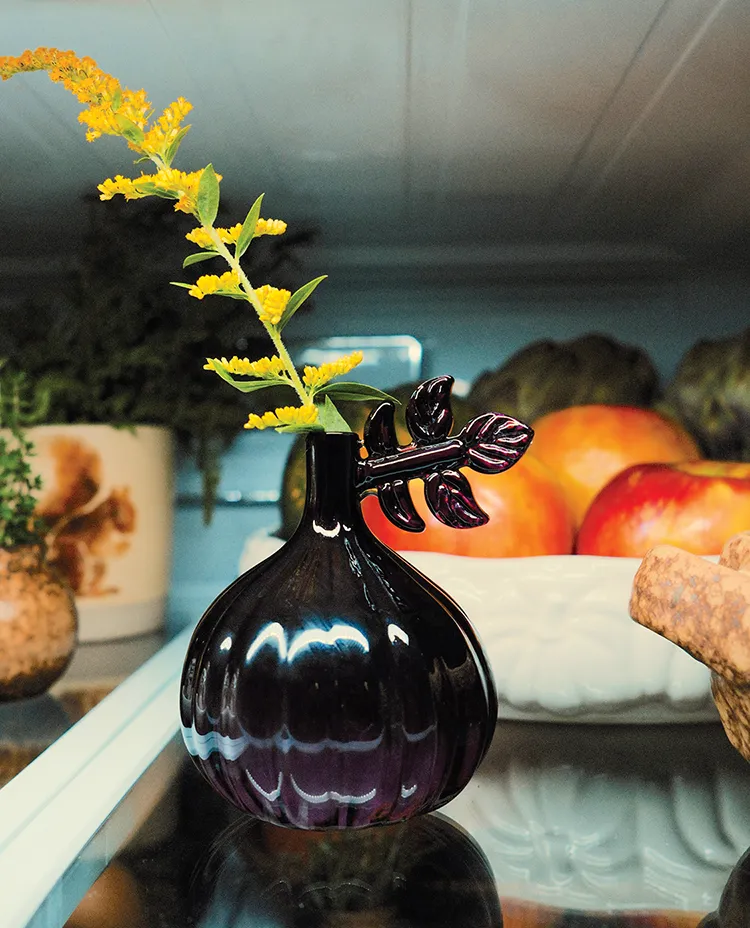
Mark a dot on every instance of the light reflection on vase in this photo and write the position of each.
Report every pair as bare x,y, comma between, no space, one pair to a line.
333,685
424,872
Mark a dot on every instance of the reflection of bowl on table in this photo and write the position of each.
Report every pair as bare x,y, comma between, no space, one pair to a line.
559,638
609,818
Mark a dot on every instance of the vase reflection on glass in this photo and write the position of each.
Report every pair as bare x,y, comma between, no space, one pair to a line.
424,872
333,685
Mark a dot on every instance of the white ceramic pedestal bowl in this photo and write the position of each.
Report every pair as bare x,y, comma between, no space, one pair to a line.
559,637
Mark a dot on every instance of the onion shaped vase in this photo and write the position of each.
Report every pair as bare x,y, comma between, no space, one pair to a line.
333,685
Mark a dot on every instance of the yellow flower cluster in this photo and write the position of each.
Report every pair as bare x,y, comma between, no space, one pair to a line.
273,301
265,368
63,66
208,284
317,376
110,117
161,135
201,237
270,227
284,415
109,103
167,182
112,108
230,236
130,188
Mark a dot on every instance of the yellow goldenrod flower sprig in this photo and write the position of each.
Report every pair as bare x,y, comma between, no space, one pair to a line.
317,377
112,109
285,418
273,372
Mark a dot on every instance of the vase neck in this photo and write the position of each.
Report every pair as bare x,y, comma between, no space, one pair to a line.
331,495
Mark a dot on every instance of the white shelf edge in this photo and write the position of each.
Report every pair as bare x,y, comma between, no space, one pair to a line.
52,809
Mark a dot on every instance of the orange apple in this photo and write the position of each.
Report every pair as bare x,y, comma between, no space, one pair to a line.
696,506
586,446
527,509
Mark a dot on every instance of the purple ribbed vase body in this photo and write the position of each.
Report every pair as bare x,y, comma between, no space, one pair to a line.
333,685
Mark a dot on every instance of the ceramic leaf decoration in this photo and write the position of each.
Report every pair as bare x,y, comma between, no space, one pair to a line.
396,502
495,442
490,444
450,499
429,417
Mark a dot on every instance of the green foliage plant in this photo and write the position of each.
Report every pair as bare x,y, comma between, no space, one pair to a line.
18,484
117,345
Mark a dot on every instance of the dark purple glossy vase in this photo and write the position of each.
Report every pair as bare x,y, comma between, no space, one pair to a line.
333,685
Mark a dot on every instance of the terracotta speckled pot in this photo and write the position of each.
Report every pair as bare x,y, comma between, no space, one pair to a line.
38,623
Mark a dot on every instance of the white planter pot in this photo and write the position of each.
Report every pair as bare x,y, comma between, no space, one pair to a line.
109,495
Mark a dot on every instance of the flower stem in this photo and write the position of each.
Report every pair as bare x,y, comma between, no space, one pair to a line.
272,331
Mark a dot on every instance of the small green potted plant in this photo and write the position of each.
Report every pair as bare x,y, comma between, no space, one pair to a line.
39,620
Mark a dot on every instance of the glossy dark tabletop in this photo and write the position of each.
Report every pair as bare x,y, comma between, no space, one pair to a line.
28,726
563,827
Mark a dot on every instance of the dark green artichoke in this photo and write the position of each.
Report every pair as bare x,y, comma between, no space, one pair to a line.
546,376
710,396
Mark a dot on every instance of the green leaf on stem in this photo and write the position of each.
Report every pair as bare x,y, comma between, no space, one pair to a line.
249,386
330,418
129,130
247,234
242,297
174,145
198,257
315,427
207,200
297,299
358,392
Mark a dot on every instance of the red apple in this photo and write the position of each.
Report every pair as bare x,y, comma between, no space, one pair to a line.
586,446
695,505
